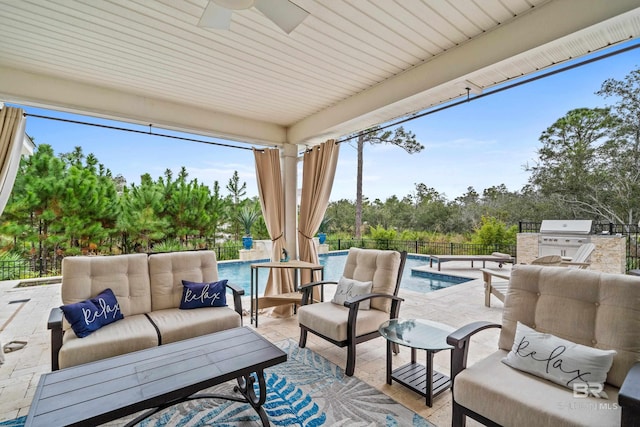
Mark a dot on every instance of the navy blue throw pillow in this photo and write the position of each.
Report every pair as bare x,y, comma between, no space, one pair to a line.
197,295
90,315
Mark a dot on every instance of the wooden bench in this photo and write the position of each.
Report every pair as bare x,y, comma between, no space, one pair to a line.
484,258
156,378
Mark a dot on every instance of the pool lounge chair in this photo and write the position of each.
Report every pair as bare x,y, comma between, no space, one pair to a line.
498,257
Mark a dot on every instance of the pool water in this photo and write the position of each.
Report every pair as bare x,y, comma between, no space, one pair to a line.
239,273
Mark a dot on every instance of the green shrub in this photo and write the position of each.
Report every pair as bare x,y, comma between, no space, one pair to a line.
492,231
168,246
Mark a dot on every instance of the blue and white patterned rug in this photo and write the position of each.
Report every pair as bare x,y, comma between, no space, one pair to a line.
306,390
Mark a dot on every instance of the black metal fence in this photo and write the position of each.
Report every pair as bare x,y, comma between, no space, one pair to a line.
37,267
421,247
30,267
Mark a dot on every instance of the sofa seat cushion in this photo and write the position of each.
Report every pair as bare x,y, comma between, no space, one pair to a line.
175,324
130,334
330,320
514,398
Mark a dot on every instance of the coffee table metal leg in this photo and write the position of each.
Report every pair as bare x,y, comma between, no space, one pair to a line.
245,387
429,391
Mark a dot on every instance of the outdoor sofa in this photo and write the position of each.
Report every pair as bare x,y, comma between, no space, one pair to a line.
149,291
560,327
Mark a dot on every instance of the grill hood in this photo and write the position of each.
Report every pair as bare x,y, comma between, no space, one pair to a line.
566,227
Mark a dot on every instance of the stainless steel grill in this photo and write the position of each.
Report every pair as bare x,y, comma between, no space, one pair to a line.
563,237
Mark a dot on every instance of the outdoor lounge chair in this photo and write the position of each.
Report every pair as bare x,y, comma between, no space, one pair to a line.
346,324
499,289
597,310
581,258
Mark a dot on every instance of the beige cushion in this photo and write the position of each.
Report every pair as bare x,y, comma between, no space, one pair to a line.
167,270
130,334
380,267
514,398
84,277
590,308
175,324
330,319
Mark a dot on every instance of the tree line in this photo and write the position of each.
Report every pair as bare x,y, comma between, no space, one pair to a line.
588,167
71,204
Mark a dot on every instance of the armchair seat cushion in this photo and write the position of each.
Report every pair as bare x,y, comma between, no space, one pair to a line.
330,320
176,325
130,334
511,397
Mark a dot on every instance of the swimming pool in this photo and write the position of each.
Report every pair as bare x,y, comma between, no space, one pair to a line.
239,273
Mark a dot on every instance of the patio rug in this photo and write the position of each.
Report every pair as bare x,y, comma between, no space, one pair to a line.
306,390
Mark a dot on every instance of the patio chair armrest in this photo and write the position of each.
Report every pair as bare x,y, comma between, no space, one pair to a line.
353,305
55,325
312,284
307,290
580,264
359,298
487,273
237,301
629,396
460,340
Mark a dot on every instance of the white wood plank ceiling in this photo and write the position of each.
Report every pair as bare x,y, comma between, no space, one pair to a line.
349,65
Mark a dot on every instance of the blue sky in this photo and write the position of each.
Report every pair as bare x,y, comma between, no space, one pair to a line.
481,144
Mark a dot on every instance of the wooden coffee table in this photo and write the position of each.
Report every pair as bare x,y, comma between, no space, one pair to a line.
156,378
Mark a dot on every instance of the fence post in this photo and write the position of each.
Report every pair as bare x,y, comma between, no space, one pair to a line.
450,248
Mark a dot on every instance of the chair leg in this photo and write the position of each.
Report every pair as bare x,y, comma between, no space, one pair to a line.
303,338
351,359
458,419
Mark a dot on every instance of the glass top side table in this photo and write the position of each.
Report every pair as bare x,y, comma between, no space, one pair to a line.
417,334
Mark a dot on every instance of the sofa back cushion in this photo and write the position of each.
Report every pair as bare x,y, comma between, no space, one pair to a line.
586,307
84,277
168,270
377,266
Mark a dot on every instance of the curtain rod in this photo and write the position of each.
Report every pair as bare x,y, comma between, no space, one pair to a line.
482,95
150,132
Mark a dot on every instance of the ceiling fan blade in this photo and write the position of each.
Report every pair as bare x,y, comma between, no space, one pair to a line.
283,13
215,16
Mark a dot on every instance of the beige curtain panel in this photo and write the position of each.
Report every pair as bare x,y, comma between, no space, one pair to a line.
12,127
318,171
271,193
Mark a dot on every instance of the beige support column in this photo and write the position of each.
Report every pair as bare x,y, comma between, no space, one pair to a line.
289,157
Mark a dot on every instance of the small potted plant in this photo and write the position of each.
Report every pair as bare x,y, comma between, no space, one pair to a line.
322,230
247,217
